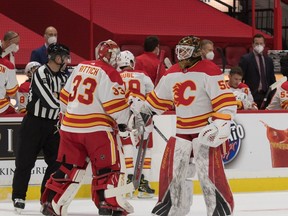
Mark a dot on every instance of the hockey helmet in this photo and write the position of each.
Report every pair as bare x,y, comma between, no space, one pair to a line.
188,47
58,49
30,68
126,59
108,52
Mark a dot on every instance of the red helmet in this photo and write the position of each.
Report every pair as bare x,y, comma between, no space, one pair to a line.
108,52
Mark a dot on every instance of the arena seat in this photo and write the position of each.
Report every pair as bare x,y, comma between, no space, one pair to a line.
135,49
217,56
233,54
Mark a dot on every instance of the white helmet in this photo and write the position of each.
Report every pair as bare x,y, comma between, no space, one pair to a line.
126,59
31,65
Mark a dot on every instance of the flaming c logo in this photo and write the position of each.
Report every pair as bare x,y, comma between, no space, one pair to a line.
181,93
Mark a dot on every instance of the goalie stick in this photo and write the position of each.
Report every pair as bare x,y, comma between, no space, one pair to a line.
141,153
161,59
271,88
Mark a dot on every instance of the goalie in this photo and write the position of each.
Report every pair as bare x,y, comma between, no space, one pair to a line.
199,93
93,102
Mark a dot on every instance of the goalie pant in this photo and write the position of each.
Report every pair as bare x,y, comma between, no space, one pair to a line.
175,189
74,150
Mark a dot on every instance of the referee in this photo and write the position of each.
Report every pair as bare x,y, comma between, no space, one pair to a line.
39,126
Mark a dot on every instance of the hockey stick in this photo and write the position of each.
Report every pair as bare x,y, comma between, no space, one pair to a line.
140,161
160,133
161,59
271,88
167,63
220,51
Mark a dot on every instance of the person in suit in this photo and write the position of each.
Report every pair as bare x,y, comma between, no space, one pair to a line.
40,54
258,71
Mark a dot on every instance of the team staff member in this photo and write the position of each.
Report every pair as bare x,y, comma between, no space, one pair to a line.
38,129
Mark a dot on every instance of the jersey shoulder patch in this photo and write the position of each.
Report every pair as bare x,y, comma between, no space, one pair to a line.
242,85
24,87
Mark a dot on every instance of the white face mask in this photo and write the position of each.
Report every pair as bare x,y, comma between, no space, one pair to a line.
13,48
210,55
259,49
52,40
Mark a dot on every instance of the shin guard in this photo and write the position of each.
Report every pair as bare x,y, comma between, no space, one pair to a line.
210,169
173,185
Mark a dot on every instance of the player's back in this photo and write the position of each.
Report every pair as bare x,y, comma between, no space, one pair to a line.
137,82
94,93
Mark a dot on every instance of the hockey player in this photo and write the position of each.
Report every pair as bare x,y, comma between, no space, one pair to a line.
241,91
93,103
22,96
200,95
139,85
8,82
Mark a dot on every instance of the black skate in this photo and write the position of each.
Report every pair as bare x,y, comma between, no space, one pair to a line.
47,209
19,205
105,211
144,189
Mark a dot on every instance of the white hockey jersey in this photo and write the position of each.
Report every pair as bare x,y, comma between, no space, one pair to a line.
243,102
280,98
93,99
8,83
197,93
138,83
22,96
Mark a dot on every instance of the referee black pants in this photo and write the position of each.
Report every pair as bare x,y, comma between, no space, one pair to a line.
35,134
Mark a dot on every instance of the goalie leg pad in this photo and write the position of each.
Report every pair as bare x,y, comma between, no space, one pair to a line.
210,169
173,194
59,192
108,180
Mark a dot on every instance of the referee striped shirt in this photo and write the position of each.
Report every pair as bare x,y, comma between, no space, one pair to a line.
43,99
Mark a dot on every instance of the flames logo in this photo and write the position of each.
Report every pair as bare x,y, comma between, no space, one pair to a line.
181,93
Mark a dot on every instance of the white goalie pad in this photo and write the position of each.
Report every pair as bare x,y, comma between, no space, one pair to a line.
215,133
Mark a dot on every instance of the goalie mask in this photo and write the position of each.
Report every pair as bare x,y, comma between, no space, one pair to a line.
126,59
108,52
188,51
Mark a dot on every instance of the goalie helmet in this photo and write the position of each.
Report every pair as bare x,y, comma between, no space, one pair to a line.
108,52
31,67
126,59
188,51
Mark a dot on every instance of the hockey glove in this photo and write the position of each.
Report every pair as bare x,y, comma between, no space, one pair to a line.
215,133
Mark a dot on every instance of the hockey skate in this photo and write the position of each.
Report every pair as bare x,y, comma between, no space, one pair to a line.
144,189
105,211
19,205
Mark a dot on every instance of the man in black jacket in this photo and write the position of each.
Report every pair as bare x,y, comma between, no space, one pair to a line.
39,127
258,71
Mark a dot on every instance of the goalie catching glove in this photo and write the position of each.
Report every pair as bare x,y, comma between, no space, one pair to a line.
215,133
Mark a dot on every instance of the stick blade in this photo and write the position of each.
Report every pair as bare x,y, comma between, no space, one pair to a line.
278,83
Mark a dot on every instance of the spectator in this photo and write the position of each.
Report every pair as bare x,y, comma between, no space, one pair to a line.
39,126
207,49
94,103
8,82
241,91
40,54
25,87
148,61
280,98
139,85
258,71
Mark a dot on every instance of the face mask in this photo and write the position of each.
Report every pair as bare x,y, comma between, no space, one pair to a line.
210,55
13,48
16,49
52,40
259,49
